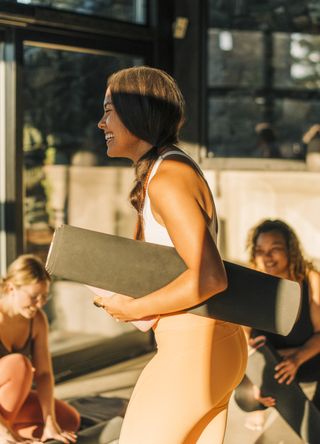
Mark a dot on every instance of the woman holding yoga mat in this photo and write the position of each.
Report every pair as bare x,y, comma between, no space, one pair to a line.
274,248
182,395
28,415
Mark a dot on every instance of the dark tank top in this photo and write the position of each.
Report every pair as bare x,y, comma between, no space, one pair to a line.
302,330
26,350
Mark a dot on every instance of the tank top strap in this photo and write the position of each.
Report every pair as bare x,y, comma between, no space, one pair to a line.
154,169
170,153
30,329
183,154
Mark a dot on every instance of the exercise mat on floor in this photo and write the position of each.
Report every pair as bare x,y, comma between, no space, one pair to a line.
136,268
291,402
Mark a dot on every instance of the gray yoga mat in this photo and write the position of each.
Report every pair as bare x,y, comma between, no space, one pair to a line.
136,268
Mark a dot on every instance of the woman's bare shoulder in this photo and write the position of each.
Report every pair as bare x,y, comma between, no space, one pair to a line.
175,171
40,323
314,285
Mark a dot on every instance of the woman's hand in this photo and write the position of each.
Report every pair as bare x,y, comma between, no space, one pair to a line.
266,401
287,369
119,306
53,431
257,342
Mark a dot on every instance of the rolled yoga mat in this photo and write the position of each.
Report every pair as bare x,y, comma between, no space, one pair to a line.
136,268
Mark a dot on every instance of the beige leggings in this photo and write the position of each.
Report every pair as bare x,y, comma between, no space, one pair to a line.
182,394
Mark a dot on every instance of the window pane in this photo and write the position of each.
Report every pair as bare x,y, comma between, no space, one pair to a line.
125,10
296,60
231,125
63,95
235,58
292,119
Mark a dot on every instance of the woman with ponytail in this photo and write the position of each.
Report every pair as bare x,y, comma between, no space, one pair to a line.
182,395
28,415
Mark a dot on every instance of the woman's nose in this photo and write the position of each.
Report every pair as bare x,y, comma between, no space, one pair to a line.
102,123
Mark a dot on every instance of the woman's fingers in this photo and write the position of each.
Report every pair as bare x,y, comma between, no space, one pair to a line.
267,401
64,436
285,372
71,437
257,342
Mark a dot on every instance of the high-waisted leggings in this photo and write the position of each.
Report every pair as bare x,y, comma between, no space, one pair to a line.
19,405
182,394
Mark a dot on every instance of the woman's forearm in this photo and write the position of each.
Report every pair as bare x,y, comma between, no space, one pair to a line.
309,349
184,292
45,385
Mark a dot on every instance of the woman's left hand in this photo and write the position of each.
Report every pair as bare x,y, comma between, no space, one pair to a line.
287,369
118,306
53,431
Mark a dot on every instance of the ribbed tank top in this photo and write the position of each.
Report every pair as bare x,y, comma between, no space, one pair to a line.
158,234
153,231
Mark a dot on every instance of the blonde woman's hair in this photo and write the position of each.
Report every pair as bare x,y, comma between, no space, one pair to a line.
299,266
27,269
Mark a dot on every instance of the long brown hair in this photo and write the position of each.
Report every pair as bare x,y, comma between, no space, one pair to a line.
299,266
151,106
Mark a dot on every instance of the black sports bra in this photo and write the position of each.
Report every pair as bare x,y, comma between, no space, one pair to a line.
26,350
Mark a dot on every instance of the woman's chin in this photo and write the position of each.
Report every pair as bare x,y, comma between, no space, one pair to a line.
28,314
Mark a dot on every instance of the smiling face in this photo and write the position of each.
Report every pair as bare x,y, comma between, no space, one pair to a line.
28,299
271,254
120,141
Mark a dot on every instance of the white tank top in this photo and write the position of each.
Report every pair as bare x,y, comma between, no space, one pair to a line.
153,231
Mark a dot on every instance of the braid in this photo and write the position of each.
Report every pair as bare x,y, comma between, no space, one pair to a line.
142,168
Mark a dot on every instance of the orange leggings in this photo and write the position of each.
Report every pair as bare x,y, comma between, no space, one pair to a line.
20,406
182,394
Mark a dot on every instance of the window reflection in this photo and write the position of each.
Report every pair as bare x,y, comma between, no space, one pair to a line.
292,118
296,60
125,10
235,58
63,95
230,134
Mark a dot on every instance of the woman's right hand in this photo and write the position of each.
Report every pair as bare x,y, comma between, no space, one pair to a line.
266,401
53,431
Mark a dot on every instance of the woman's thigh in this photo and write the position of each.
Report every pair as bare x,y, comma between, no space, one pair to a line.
29,421
183,389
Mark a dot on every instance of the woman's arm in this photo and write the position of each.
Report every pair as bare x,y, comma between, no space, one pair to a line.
45,381
312,346
42,364
294,358
176,195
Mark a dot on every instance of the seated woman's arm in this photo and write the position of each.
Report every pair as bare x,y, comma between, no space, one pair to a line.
45,381
295,357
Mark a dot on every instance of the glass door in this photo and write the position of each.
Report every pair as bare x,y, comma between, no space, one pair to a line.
62,94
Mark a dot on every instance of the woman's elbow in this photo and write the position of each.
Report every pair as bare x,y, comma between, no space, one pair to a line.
217,283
